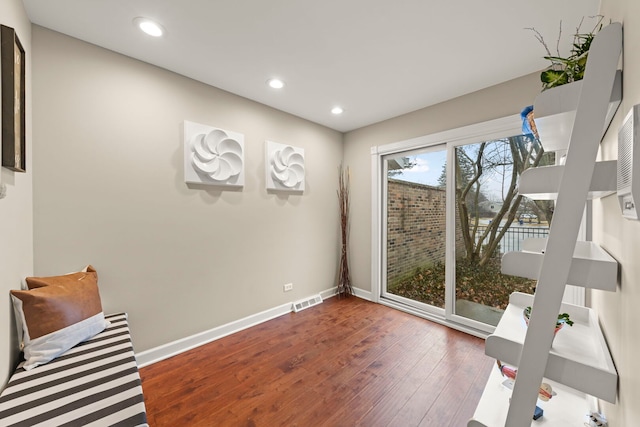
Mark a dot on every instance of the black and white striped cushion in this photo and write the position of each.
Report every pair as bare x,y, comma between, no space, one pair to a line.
96,383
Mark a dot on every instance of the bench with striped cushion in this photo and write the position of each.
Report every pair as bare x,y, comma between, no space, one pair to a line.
94,383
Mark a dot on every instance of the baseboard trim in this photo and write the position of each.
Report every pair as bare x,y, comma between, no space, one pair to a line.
156,354
165,351
360,293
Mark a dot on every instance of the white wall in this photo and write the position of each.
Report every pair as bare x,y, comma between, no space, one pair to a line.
498,101
618,312
16,216
109,191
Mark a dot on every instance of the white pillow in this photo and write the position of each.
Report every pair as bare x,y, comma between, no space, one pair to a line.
57,313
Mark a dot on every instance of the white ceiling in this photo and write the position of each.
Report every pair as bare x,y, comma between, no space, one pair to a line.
375,58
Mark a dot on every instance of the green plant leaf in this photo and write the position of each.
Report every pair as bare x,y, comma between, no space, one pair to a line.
552,78
562,318
558,60
571,68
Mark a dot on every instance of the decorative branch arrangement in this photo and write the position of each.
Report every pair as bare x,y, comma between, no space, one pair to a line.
344,278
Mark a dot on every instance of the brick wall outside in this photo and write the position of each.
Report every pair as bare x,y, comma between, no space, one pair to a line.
416,227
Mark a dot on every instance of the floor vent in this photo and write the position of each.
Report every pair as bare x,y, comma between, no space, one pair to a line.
307,302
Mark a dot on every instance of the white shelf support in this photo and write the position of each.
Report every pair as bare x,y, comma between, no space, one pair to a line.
583,146
555,111
542,183
591,266
579,356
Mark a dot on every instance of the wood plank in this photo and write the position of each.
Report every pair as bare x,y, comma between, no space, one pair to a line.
391,367
467,407
343,362
397,398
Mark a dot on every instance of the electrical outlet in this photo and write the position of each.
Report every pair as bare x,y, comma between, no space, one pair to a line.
288,287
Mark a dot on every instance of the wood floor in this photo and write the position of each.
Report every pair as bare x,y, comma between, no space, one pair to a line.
345,362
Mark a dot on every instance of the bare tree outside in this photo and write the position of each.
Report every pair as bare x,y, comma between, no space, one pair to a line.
491,218
501,160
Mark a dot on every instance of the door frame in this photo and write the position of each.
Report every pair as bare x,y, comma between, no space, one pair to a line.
384,294
484,131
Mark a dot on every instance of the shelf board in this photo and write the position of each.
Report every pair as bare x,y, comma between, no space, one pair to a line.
555,111
579,357
567,408
591,266
542,183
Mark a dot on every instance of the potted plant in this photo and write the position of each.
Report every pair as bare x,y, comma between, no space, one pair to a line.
563,318
571,68
563,70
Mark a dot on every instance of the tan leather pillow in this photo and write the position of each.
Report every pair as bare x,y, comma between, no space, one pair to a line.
89,273
50,308
57,313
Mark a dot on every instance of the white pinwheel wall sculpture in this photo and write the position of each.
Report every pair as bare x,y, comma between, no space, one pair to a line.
213,156
285,167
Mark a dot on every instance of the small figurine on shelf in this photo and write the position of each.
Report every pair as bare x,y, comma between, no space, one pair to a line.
544,393
528,123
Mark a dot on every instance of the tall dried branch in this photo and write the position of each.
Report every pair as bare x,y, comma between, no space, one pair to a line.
344,277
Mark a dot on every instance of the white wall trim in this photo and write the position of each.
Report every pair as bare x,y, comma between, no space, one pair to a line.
326,294
366,295
165,351
459,136
376,223
360,293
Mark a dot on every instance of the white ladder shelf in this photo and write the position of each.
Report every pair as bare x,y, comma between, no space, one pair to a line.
558,261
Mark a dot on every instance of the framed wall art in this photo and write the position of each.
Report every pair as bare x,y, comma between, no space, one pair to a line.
285,167
213,156
12,69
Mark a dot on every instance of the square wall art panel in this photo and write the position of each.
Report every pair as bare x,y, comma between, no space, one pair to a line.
285,167
213,156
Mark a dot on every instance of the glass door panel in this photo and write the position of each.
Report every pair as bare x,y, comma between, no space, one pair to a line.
491,219
416,228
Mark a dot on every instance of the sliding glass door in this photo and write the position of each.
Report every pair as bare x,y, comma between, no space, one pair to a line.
449,210
416,228
491,218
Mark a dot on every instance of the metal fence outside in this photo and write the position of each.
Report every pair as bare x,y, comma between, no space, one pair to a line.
514,236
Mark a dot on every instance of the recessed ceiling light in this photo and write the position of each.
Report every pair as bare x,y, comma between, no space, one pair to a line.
275,83
149,27
337,110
